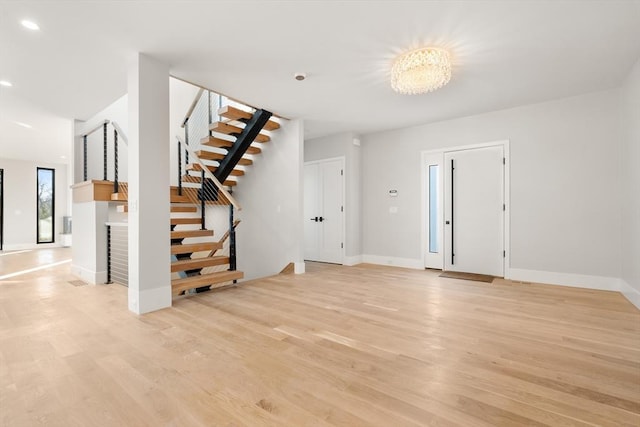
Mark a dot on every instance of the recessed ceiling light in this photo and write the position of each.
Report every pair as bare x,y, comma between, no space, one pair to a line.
5,83
30,25
63,157
24,125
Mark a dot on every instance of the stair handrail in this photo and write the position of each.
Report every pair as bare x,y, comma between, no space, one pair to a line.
95,128
192,107
208,174
120,132
117,132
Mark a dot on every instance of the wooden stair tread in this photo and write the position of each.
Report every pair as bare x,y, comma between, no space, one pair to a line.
194,247
179,285
196,168
212,141
180,221
179,199
184,234
234,113
184,209
192,264
174,198
210,155
228,129
196,179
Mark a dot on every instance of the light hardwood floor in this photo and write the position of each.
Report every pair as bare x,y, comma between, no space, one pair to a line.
348,346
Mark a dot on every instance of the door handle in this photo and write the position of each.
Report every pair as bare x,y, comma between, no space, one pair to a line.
314,219
452,214
446,222
320,219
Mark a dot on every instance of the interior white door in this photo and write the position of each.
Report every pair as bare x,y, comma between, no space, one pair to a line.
323,210
474,211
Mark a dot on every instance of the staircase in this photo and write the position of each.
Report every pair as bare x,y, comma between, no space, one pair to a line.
224,154
185,265
232,143
228,157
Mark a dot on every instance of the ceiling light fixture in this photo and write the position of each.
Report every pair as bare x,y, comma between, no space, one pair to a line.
421,71
24,125
5,83
30,25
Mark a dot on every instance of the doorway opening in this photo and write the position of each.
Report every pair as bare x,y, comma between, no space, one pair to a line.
465,209
324,210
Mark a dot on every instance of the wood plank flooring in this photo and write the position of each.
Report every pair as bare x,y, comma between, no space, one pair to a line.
338,346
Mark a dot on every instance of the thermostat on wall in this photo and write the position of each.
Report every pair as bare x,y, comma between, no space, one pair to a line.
393,193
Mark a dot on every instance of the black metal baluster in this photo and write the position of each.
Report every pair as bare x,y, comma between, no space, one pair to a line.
115,161
179,168
108,254
202,200
186,142
104,153
232,241
84,158
210,112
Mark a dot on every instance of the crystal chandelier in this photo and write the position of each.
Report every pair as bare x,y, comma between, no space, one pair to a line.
421,71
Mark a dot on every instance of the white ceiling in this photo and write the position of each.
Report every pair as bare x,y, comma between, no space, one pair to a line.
505,54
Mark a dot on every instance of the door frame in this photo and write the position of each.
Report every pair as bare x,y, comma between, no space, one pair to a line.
53,206
424,200
343,161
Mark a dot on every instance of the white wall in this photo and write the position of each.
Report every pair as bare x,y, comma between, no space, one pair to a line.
342,145
20,201
270,194
564,186
630,171
182,95
117,112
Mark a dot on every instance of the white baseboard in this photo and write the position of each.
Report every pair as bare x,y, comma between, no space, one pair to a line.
93,277
148,300
394,261
352,260
633,295
22,246
299,267
566,279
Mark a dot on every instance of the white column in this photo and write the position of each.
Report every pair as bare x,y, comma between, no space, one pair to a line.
298,225
149,238
89,247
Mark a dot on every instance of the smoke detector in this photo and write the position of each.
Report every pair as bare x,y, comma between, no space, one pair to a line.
300,76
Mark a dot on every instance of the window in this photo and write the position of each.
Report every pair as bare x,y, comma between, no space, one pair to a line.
434,244
46,205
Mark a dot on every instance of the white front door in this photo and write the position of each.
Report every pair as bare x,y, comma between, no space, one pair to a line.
323,211
474,211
